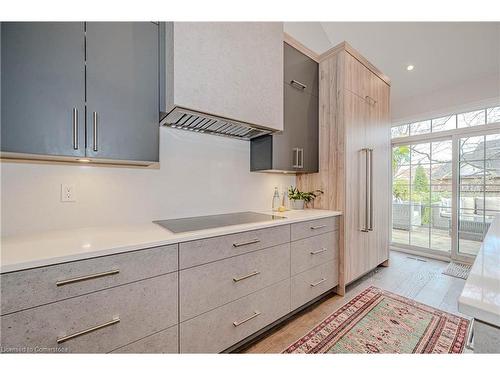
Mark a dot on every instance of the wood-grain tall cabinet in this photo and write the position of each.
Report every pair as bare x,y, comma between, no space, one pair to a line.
354,169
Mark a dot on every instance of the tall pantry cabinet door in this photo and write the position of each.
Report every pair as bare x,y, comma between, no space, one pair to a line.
355,239
43,88
122,90
378,136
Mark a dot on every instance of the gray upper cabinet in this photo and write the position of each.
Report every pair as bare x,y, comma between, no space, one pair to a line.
76,89
43,88
296,148
122,90
300,70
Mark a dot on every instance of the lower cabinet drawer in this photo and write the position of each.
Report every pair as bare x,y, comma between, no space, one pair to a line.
96,322
206,287
312,283
39,286
313,251
225,326
164,342
310,228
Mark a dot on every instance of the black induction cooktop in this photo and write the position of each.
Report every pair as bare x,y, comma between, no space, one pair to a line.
189,224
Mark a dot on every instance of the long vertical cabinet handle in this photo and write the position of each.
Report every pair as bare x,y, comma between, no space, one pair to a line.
301,158
74,119
95,126
367,190
295,158
371,189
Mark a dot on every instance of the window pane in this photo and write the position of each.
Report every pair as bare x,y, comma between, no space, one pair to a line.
419,236
420,189
401,223
472,148
441,151
420,153
473,118
493,114
492,172
441,228
472,172
441,195
400,156
471,230
441,173
471,197
444,123
490,215
493,146
420,127
400,131
491,202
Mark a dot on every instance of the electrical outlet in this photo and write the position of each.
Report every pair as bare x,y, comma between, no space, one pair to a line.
68,193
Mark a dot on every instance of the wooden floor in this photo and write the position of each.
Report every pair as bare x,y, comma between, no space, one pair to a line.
408,275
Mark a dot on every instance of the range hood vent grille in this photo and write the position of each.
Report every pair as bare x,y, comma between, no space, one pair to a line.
185,119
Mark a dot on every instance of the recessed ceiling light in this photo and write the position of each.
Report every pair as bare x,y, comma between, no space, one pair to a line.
83,160
410,67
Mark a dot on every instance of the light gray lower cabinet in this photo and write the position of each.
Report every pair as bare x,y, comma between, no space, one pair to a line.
207,250
313,251
312,283
218,329
150,306
97,322
163,342
30,288
206,287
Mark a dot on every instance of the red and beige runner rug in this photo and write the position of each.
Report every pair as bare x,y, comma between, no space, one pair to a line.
377,321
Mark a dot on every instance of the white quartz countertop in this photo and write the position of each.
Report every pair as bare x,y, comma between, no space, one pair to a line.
480,297
47,248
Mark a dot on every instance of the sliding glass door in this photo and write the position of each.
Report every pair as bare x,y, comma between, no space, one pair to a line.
478,190
422,195
446,183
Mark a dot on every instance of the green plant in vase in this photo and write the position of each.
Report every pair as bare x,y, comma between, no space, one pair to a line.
299,198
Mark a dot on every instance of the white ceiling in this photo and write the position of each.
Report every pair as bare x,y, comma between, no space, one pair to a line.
444,54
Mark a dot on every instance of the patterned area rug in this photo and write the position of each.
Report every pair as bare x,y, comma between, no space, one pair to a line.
457,270
377,321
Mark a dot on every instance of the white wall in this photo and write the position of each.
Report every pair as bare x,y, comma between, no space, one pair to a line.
199,174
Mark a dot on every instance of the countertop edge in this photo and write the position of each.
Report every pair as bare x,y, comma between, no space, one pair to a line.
174,239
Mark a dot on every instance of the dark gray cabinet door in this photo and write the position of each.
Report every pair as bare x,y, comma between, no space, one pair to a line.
43,88
301,121
122,90
300,70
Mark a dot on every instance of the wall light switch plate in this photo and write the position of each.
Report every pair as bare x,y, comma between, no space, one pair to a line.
68,193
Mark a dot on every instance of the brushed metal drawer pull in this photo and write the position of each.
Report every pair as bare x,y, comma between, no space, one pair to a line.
255,314
469,344
238,244
318,227
319,251
88,330
254,273
88,277
318,282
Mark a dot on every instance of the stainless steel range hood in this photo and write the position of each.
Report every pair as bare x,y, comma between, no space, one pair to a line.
201,122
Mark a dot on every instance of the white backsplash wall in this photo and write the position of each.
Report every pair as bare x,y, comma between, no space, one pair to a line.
199,174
